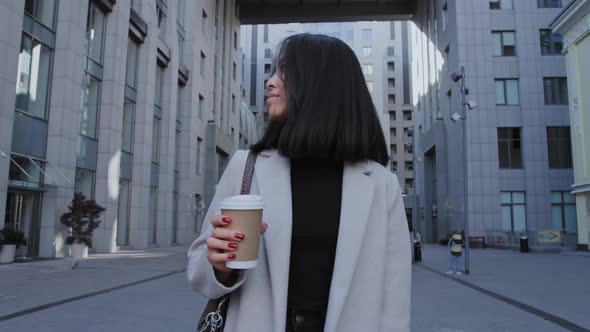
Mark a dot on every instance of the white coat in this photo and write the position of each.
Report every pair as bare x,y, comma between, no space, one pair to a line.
371,282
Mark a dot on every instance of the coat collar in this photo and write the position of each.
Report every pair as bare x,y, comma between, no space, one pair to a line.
273,175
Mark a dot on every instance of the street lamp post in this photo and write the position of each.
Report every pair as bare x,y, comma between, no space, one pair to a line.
465,183
471,105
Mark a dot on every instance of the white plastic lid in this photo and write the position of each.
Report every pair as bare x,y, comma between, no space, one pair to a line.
242,202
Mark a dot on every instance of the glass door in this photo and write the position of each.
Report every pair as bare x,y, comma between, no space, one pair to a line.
23,213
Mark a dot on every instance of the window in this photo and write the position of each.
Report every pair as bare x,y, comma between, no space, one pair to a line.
123,208
409,182
394,149
265,33
368,69
445,18
32,81
159,86
392,116
507,92
551,43
201,105
235,41
179,97
200,212
500,4
407,115
153,215
408,147
509,148
95,33
267,68
84,182
127,131
367,34
233,134
391,30
161,15
391,66
199,145
33,167
391,99
234,71
406,132
409,166
391,82
41,10
131,68
180,48
90,106
267,53
204,22
222,160
390,51
202,67
180,11
513,210
156,126
370,86
555,90
394,166
563,211
549,3
233,103
559,147
392,132
504,43
367,51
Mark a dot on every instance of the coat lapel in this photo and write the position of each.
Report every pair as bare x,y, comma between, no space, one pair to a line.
357,195
273,176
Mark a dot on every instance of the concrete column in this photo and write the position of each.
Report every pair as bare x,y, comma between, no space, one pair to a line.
64,123
11,14
142,146
111,126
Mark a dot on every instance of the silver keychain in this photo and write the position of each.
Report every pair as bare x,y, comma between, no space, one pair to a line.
213,320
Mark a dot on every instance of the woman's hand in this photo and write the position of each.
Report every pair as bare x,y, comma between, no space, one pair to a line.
222,244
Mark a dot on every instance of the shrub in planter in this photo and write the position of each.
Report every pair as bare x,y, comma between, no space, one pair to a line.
10,240
82,220
9,236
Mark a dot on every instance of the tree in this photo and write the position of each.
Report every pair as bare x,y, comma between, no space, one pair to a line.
82,219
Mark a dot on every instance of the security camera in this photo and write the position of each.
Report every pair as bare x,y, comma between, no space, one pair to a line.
471,104
456,77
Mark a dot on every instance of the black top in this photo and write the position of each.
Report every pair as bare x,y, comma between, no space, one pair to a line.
316,188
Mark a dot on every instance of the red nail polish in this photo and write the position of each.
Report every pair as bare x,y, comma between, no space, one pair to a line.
231,256
233,245
239,236
226,220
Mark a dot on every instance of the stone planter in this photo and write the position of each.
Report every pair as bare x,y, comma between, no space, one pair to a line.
7,253
78,250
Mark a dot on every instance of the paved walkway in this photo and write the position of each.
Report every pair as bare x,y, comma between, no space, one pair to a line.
147,291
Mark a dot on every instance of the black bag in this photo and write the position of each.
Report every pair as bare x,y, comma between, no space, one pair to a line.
213,317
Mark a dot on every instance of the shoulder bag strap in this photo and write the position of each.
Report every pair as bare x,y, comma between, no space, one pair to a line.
248,173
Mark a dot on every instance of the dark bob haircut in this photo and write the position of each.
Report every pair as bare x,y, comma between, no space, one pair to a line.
330,113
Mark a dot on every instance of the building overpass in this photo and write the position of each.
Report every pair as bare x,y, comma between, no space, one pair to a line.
303,11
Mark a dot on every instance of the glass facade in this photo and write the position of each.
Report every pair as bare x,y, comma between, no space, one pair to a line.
563,211
90,106
32,82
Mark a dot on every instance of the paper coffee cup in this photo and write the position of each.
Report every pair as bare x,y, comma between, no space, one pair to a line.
246,214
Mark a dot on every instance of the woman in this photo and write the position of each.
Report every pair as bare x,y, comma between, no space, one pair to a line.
336,254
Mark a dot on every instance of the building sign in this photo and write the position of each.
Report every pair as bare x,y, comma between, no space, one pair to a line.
549,236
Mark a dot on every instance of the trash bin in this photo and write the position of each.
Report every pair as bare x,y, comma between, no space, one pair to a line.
524,243
417,251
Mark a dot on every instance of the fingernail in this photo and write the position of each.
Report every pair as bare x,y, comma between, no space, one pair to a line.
226,220
233,245
231,256
239,236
